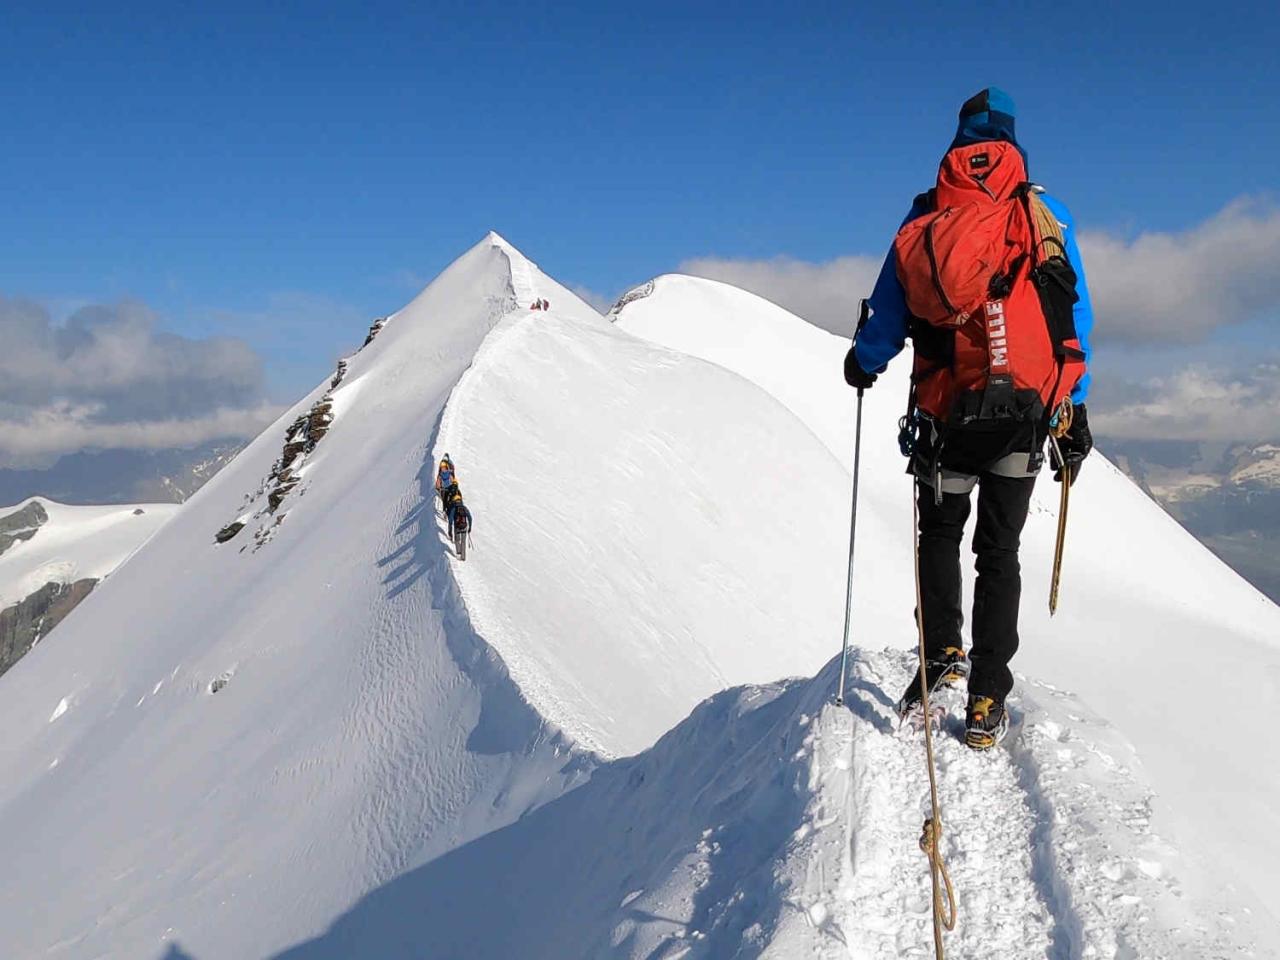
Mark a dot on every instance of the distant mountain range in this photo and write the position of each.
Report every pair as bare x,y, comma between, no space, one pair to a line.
121,476
1227,495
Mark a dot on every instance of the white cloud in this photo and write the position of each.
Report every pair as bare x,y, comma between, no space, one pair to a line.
1197,402
1160,287
116,355
825,294
1182,286
40,435
1157,294
109,378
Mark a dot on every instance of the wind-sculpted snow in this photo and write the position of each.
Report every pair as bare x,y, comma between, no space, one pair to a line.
638,544
771,823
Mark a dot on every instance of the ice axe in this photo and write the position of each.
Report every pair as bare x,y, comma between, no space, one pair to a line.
1058,427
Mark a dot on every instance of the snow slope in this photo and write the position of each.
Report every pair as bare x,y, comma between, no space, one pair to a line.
633,483
359,724
1154,633
296,716
327,737
75,543
771,823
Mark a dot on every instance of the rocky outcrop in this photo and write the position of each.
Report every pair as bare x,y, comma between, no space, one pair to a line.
338,374
307,431
229,531
21,524
25,624
374,330
299,440
635,293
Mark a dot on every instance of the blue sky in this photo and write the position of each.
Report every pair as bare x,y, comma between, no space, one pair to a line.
282,172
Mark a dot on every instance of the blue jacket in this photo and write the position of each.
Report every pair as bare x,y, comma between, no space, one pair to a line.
885,333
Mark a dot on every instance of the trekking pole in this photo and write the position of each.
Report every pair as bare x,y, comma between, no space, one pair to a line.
1058,427
853,530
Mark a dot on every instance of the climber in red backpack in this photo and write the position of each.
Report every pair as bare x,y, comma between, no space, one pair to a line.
986,279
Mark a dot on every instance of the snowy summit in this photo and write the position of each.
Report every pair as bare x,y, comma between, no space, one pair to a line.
296,725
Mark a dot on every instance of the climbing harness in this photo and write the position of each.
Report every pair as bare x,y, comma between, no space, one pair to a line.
944,896
1059,425
853,529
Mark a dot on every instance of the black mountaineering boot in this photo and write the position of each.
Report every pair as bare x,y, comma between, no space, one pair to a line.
939,673
986,723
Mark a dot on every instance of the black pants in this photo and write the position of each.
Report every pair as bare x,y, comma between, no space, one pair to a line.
1003,503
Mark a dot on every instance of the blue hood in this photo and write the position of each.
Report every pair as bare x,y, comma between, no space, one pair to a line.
986,116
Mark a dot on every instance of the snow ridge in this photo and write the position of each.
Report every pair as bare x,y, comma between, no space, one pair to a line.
1151,620
772,823
350,724
523,285
608,475
353,703
1049,842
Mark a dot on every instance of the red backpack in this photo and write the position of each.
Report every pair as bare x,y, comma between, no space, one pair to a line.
991,291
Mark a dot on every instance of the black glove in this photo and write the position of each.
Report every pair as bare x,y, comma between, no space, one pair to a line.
1075,445
854,375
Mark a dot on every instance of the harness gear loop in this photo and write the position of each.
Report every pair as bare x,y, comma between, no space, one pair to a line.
1060,421
944,896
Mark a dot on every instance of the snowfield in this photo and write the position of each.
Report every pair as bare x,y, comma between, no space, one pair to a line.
75,543
327,737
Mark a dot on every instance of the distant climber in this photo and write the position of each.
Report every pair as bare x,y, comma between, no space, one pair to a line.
1001,358
445,474
461,520
451,500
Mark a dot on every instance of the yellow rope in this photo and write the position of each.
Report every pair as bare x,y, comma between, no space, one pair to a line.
1046,229
944,896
